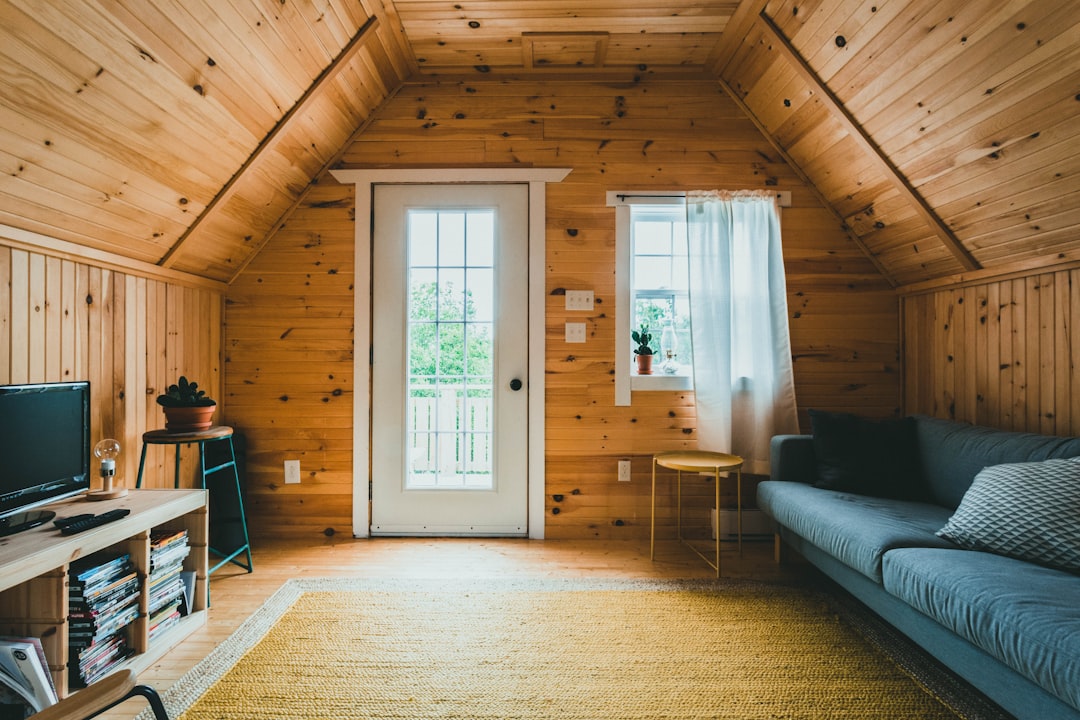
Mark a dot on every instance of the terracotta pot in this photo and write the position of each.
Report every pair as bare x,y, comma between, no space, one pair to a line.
189,419
644,364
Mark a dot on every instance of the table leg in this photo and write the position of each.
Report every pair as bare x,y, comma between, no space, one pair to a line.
176,472
652,516
716,483
738,500
142,465
678,503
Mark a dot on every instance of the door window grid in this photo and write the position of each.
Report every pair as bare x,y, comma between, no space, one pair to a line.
450,350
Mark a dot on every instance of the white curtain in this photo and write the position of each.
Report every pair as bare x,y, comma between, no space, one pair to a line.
743,377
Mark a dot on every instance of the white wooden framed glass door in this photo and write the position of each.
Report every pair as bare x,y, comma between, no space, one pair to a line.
450,360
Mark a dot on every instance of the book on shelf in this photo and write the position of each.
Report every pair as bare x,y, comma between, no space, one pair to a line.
188,605
97,661
85,631
95,575
25,671
114,594
165,585
164,618
103,600
165,593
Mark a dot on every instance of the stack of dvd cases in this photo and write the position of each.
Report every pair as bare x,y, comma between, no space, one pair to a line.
103,599
165,586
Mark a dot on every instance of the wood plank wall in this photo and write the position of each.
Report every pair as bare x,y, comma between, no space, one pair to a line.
1001,353
130,333
289,336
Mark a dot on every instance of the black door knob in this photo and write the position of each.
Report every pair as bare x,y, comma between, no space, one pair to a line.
515,384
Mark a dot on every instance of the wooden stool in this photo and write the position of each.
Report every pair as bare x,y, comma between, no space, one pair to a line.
696,461
201,437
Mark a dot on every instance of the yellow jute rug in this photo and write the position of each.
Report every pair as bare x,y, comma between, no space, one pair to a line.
546,649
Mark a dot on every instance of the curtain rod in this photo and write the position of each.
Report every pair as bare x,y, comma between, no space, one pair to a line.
783,195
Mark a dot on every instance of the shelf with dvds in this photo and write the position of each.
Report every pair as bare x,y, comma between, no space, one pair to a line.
118,595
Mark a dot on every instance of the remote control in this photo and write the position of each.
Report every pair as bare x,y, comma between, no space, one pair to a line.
61,522
94,521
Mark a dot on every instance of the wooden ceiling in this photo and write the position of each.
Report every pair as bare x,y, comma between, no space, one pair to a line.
181,132
943,133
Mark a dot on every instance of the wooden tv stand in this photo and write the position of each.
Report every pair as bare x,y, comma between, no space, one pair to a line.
34,571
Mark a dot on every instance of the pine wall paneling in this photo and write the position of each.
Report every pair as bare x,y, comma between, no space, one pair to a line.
128,328
289,341
999,352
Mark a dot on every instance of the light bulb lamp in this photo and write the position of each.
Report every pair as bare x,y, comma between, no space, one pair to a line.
107,450
669,345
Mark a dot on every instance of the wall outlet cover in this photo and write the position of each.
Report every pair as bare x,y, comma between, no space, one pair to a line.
575,332
579,299
292,472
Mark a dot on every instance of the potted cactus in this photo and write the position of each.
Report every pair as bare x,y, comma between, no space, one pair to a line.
643,351
187,407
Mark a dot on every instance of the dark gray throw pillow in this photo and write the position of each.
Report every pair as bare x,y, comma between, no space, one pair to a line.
867,457
1029,511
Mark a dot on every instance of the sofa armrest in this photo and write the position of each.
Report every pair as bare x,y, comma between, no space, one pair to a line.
792,458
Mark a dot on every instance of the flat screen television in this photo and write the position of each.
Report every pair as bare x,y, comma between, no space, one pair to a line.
44,448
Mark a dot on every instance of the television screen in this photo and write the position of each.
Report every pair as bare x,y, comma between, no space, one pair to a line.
44,443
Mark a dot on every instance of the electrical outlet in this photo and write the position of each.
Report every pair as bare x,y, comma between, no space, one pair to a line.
575,332
624,471
292,472
579,299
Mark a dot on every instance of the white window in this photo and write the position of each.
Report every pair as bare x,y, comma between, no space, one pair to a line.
652,290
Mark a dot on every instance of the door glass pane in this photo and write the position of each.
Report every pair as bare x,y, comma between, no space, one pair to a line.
450,350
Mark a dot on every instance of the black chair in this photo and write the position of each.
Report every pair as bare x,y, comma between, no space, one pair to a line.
102,695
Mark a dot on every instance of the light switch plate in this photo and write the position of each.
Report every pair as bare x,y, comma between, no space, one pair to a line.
292,472
575,332
579,299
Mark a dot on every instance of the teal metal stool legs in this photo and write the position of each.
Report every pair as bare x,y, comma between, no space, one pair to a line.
228,523
231,506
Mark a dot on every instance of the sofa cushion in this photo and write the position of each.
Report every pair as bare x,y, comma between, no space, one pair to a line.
856,529
1029,511
868,457
1025,615
952,453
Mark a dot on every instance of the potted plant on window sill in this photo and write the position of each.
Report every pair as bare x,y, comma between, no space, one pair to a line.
187,408
643,352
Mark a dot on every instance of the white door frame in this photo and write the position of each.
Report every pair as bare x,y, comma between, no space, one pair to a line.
537,178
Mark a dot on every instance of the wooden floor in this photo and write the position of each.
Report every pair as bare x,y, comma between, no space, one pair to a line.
236,594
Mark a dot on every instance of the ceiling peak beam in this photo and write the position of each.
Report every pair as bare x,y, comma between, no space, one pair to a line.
324,78
837,109
806,181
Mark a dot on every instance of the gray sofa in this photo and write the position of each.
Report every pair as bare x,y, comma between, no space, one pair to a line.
1008,626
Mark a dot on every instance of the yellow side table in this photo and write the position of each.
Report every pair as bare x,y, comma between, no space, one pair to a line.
698,461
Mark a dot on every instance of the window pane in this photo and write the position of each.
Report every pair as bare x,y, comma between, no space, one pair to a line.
652,272
423,237
422,290
480,301
451,295
652,238
653,312
480,241
422,352
451,239
451,360
480,351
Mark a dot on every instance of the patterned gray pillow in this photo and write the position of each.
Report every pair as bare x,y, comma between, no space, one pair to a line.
1029,511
